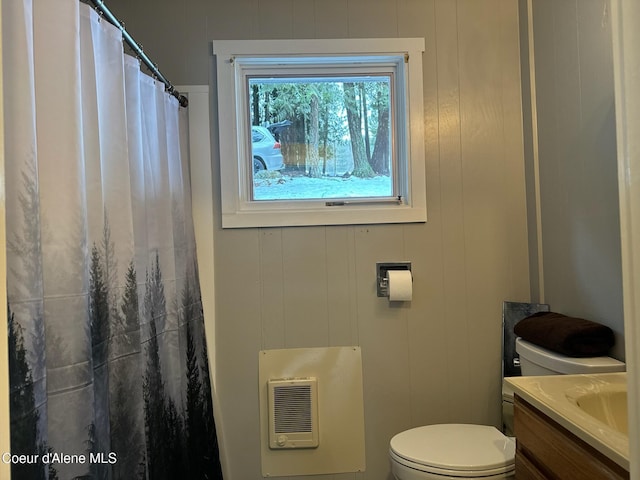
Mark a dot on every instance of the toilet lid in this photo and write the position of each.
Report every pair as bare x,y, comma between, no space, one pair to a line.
456,447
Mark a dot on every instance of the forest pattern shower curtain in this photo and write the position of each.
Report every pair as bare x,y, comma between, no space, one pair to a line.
108,363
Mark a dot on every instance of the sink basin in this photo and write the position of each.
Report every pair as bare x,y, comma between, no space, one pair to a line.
593,407
609,407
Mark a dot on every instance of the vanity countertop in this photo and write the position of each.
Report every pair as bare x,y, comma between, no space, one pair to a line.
559,397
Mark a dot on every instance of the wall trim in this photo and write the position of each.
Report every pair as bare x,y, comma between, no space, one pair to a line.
625,18
534,146
5,437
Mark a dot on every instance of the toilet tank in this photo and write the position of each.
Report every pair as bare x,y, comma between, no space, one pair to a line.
535,360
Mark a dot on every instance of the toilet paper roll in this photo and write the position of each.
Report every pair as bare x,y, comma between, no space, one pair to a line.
400,285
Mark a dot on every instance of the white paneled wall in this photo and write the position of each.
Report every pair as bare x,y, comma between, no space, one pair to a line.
436,359
580,224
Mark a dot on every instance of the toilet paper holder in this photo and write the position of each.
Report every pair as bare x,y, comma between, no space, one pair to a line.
382,280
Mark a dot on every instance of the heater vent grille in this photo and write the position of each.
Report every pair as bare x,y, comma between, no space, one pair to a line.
292,409
293,413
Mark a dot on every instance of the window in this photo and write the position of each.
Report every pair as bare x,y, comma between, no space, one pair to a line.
318,132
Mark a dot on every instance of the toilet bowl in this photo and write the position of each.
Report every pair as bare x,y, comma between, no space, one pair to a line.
452,451
462,451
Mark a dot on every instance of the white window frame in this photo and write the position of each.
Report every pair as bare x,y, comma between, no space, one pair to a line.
235,58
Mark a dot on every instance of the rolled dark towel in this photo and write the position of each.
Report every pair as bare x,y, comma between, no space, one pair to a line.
574,337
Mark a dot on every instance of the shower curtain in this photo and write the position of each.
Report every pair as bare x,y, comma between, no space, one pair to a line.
108,362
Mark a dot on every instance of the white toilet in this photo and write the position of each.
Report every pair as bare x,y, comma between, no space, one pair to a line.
461,451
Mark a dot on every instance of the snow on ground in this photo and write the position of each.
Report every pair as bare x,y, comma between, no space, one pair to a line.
271,185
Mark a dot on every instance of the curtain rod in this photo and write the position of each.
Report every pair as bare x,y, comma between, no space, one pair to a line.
135,46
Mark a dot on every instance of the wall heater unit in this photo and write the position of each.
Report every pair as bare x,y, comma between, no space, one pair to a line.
293,413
